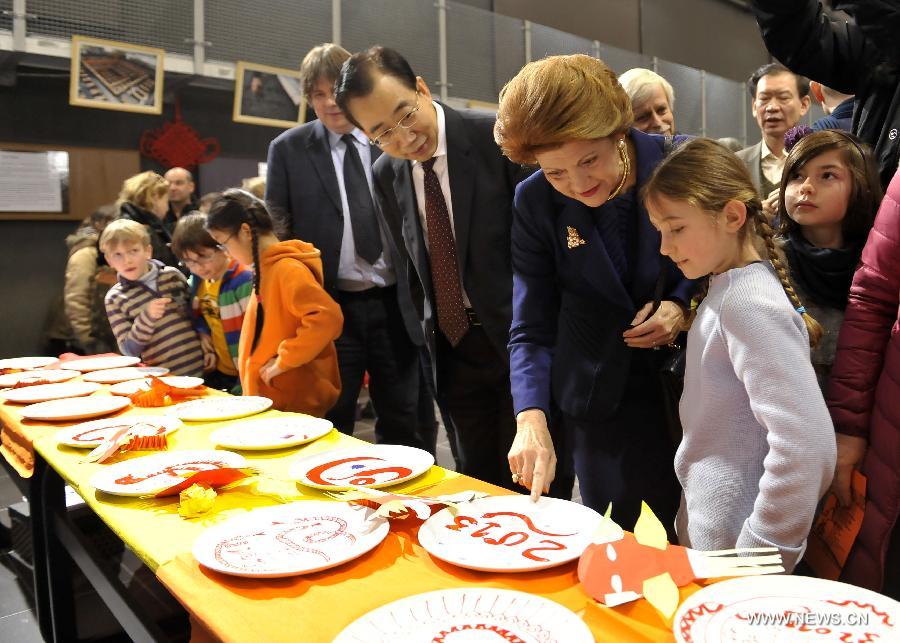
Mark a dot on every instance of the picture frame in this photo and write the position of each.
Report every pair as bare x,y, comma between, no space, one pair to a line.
265,95
106,74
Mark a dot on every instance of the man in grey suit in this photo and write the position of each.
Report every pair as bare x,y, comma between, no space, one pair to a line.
320,182
780,99
446,195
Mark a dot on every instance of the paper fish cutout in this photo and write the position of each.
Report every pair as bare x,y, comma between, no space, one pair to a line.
162,394
223,478
401,506
129,437
619,567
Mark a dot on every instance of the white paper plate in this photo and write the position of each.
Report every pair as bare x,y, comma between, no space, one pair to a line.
52,376
469,615
88,435
76,408
376,465
271,433
786,608
214,409
287,540
45,392
153,473
510,533
27,363
101,363
115,375
133,386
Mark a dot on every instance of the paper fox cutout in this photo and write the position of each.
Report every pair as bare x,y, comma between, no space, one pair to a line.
619,567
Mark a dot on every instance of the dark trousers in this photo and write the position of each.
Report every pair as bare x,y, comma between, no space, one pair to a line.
473,386
221,382
628,457
374,339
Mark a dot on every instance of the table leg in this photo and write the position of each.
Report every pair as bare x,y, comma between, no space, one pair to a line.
53,590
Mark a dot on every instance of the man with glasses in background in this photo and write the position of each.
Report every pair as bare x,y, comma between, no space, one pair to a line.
780,99
446,196
320,182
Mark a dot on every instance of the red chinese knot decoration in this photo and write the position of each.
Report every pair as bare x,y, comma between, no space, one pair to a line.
177,144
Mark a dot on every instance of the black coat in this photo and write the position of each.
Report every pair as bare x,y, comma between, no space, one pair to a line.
160,237
842,56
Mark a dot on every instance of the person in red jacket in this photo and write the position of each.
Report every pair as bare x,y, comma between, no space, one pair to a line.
862,397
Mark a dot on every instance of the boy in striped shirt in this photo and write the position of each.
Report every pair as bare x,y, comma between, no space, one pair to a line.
220,293
148,307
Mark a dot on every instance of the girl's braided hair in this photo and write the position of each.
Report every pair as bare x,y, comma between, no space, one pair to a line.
708,175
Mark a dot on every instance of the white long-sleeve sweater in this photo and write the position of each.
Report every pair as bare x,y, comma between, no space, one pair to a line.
759,449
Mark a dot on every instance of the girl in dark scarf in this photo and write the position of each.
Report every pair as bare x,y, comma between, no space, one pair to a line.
830,192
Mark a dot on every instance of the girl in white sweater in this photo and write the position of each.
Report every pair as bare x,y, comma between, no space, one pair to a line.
758,450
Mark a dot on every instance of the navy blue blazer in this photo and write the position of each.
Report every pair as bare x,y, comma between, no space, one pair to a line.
302,190
570,307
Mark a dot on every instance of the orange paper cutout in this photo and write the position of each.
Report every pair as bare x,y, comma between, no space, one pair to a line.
835,531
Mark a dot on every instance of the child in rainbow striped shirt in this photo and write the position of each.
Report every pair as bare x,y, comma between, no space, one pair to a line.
220,294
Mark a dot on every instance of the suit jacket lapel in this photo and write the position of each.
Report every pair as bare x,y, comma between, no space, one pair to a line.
409,215
462,180
320,151
589,259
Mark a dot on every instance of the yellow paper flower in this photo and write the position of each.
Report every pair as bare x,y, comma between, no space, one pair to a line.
195,501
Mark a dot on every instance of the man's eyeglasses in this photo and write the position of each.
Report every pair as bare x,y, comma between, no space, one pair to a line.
406,122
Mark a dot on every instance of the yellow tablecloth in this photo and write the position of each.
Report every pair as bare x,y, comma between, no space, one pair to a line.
314,607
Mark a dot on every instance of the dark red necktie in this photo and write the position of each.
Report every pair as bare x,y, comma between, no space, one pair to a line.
451,311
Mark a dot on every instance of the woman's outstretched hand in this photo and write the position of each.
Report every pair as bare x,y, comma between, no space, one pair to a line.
532,459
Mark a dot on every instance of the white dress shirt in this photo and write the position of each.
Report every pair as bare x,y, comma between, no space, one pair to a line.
354,272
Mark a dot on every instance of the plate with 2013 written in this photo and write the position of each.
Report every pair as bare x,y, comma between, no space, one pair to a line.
510,533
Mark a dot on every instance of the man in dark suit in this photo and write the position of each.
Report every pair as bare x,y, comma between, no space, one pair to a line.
320,181
446,195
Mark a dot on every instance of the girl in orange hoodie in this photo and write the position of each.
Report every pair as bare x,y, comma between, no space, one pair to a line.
286,353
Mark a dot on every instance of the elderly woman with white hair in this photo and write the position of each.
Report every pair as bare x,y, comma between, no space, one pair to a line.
652,100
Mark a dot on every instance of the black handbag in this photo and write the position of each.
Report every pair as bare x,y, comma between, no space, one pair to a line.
671,370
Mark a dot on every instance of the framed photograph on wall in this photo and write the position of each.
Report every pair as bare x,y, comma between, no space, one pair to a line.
266,95
116,75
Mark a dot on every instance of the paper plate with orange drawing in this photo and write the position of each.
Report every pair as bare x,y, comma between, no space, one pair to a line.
215,409
377,465
786,608
27,363
45,392
287,540
88,435
101,363
76,408
468,615
510,533
151,474
36,377
130,387
116,375
278,432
